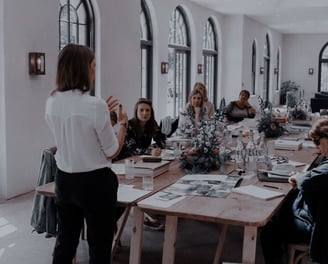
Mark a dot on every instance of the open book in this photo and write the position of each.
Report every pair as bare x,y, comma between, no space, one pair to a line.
258,192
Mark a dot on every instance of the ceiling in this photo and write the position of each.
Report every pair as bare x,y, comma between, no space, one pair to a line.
285,16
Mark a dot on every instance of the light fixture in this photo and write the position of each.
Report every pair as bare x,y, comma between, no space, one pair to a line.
275,70
164,67
310,71
36,63
200,68
261,70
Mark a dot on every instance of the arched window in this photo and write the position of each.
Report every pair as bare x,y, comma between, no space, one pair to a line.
179,63
266,73
76,23
210,59
323,69
253,73
146,45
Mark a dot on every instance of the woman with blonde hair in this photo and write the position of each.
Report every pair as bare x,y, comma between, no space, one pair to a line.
208,106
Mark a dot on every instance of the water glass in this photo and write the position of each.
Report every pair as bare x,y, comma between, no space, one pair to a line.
148,182
129,175
270,146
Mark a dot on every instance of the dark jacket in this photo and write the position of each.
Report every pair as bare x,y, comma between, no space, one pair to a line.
313,194
44,214
135,144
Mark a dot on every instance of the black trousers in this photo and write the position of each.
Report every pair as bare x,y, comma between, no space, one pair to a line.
284,228
91,196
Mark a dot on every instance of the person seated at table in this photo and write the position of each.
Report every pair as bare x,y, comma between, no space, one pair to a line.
238,110
190,119
303,217
208,106
141,130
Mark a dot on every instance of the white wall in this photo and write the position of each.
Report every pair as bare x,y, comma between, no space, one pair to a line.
254,30
24,134
300,53
3,179
25,29
232,34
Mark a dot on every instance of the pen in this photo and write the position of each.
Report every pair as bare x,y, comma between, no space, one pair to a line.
273,187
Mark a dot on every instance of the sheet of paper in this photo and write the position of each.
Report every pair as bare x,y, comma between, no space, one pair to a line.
126,193
258,192
118,168
162,199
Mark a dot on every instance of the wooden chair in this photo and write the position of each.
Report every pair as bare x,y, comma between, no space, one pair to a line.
297,253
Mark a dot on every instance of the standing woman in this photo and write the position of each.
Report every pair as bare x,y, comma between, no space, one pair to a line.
85,186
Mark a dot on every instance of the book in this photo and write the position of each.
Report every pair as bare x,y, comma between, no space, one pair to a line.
154,169
257,192
288,144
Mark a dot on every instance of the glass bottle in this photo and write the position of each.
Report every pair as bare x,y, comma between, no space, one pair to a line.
262,149
251,156
240,151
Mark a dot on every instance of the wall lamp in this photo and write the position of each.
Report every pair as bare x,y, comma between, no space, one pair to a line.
199,68
164,67
261,70
36,63
310,71
275,71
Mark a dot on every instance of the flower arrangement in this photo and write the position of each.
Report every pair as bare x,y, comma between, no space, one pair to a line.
267,124
298,113
204,154
270,127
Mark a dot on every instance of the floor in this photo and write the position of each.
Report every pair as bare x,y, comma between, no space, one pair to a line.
196,242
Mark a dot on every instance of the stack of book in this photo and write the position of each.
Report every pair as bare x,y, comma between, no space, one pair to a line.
154,169
288,144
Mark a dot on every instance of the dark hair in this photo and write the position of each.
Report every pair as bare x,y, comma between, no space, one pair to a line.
73,68
319,130
151,123
245,92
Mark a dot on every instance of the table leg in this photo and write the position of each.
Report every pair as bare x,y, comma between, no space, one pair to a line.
137,235
249,246
219,248
170,235
120,230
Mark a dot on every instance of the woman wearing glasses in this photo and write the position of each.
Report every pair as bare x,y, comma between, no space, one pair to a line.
303,217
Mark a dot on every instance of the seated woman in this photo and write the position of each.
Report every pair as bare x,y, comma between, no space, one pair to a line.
190,119
303,217
142,129
238,110
208,106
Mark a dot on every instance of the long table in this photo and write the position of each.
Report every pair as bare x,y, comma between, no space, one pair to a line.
160,182
238,210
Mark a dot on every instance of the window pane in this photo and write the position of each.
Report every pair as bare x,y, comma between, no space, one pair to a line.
324,77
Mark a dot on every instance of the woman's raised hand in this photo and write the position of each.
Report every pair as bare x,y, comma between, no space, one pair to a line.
112,103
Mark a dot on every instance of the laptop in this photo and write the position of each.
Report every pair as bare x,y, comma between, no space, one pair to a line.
263,176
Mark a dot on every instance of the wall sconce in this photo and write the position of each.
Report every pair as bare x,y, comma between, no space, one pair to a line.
310,71
36,63
164,67
275,70
261,70
199,68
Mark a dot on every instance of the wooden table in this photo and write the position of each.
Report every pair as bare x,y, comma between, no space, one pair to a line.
239,210
160,182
